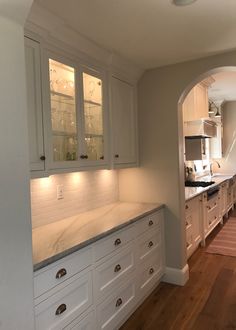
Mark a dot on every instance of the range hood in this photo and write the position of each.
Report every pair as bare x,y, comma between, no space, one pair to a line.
201,128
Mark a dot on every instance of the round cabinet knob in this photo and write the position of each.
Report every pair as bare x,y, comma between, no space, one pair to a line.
150,223
151,271
116,156
150,244
119,302
117,268
42,157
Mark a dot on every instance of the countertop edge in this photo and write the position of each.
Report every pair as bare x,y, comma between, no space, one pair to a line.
207,188
57,257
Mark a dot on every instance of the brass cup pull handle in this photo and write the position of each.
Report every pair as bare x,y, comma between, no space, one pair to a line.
150,223
150,244
117,268
151,271
61,309
62,272
119,302
117,242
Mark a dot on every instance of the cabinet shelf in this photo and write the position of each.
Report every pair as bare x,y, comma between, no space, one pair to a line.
66,134
93,103
87,135
66,96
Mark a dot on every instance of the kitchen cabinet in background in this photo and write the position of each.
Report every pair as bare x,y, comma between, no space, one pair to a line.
124,125
216,150
195,105
193,222
195,149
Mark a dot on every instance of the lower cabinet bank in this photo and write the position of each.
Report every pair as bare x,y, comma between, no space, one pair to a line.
101,285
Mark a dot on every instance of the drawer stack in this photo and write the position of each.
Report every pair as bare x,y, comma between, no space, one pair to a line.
63,291
99,287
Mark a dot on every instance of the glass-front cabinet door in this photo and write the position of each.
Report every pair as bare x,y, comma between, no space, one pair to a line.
77,117
63,112
93,113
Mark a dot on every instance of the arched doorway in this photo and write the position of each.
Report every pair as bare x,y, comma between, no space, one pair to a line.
202,77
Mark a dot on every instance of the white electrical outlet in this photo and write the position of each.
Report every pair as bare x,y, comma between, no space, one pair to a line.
60,191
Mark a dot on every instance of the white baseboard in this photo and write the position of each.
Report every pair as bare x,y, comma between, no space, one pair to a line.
176,276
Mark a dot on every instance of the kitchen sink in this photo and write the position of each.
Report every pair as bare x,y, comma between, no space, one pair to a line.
198,183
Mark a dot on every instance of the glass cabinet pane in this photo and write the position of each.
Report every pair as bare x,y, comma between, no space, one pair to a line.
63,111
93,117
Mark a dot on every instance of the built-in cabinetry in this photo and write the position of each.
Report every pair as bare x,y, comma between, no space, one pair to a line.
195,105
216,144
124,122
193,216
70,124
99,286
205,211
34,105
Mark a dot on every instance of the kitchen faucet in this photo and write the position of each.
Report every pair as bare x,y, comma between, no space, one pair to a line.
211,172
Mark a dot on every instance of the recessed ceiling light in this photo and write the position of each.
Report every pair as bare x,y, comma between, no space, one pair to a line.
183,2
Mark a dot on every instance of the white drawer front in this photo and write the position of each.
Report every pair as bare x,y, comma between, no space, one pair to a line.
85,323
113,243
114,309
149,222
148,242
54,274
151,271
110,273
61,308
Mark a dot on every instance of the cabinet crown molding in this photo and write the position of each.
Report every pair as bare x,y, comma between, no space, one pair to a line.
51,29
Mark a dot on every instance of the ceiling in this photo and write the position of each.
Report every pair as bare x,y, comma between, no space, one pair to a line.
224,87
152,33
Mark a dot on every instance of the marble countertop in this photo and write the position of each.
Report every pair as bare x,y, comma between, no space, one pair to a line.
191,192
58,239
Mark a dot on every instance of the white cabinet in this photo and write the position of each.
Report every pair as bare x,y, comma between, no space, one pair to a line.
193,222
76,114
195,105
216,142
100,286
34,104
70,127
123,122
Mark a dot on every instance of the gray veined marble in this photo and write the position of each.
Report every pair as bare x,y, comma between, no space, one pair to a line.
56,240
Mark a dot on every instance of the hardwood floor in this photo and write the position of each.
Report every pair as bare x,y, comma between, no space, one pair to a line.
207,301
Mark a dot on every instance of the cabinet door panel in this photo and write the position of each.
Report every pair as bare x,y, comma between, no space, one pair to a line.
34,103
123,118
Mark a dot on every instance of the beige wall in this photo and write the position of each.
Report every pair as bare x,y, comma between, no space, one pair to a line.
160,177
16,268
228,163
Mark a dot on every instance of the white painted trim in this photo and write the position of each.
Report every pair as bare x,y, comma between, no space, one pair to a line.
176,276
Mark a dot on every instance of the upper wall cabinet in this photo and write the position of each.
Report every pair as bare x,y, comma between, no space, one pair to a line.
195,105
34,103
70,128
123,123
76,115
